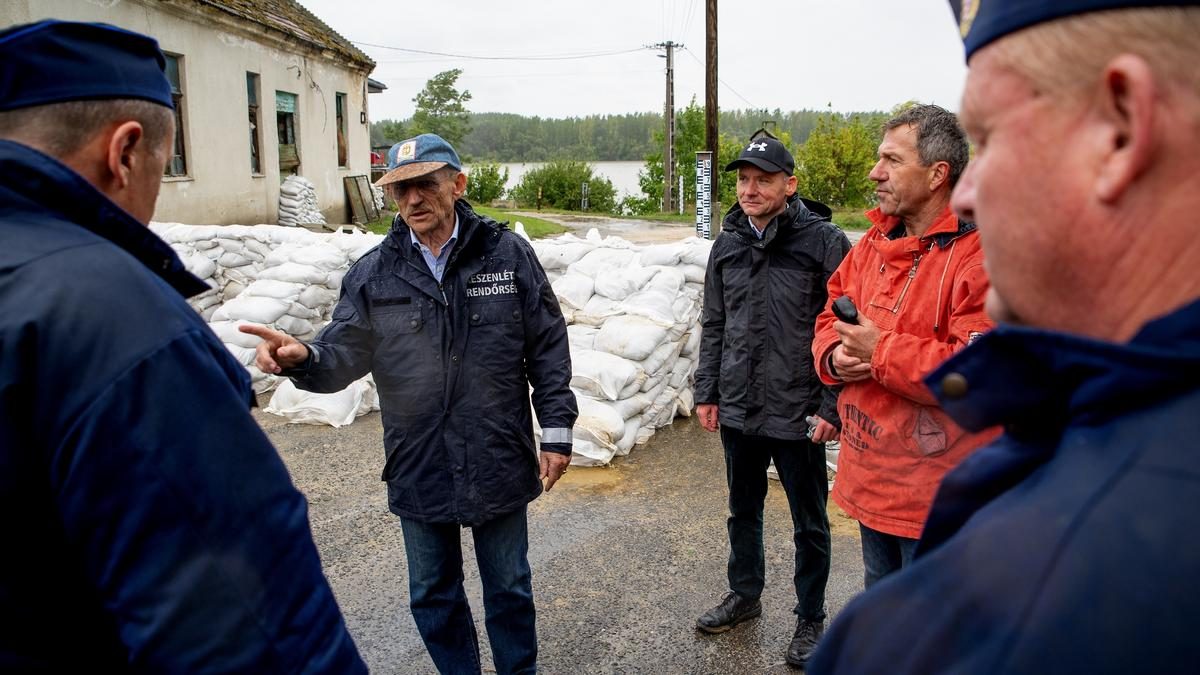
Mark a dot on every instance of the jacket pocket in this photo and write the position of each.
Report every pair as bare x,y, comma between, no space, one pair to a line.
389,324
930,432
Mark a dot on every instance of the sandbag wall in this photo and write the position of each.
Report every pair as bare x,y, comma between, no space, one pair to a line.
632,311
633,318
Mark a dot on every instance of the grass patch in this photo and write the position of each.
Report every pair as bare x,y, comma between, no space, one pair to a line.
851,219
534,227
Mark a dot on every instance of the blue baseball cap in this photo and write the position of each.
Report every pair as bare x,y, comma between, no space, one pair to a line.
984,21
57,61
418,157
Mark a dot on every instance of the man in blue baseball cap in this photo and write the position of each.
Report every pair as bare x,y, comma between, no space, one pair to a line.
151,526
454,317
1068,545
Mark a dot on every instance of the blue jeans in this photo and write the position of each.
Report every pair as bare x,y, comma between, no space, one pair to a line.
801,468
439,604
883,554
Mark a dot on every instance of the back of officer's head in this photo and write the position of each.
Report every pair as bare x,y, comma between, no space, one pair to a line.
94,96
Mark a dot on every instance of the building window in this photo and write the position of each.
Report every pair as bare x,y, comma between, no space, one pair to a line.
343,153
177,165
255,121
285,122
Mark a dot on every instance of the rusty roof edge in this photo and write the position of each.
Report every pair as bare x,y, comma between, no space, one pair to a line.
337,43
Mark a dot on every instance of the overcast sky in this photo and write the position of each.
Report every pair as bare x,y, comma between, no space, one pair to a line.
792,54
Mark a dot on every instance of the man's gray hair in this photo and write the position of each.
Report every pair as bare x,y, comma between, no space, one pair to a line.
59,129
939,137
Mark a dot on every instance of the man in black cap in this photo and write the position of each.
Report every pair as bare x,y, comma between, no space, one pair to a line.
152,527
755,381
454,317
1068,545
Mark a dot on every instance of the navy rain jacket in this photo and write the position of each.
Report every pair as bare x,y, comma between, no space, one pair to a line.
453,363
149,524
1067,546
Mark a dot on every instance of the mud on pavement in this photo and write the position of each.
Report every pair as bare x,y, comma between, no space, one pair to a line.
624,557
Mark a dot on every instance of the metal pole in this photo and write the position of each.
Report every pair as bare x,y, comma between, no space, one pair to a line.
711,139
669,113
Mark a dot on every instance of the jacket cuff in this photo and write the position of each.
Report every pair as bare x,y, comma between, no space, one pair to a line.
557,448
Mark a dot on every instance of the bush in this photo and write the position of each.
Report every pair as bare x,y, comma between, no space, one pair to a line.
486,182
561,185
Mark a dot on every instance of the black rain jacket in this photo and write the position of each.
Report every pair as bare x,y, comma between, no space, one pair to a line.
761,301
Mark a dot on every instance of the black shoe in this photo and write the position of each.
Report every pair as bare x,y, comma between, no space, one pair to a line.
804,642
733,610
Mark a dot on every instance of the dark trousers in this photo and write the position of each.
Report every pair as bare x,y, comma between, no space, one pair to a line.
883,554
439,604
801,468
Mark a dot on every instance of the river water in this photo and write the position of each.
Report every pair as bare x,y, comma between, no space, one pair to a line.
624,175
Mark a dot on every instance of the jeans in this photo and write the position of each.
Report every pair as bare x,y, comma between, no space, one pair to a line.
439,604
801,467
883,554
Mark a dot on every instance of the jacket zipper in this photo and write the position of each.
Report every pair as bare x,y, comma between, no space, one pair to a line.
907,282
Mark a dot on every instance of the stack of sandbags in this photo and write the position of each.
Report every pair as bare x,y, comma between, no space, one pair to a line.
298,202
633,324
284,278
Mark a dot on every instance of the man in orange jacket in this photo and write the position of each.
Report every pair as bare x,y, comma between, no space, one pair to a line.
918,283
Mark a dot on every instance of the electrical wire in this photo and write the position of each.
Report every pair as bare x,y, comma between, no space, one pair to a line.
735,92
476,57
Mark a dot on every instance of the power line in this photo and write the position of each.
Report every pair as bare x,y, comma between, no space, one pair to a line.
735,93
476,57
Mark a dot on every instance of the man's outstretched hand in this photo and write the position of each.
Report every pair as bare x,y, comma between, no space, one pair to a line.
277,351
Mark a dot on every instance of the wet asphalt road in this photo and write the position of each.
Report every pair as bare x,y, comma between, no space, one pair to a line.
624,557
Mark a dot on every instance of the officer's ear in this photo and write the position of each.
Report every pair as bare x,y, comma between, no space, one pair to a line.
123,153
1125,107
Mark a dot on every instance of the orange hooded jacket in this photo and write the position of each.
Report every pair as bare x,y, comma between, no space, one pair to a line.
926,295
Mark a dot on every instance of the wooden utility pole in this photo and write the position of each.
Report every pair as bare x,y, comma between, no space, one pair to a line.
711,139
669,116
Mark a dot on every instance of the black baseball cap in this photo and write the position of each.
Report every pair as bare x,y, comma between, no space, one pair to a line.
767,154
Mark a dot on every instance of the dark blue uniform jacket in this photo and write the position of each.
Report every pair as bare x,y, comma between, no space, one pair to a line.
1070,544
149,524
453,363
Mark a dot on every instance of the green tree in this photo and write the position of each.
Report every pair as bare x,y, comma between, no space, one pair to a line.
387,132
441,108
486,182
561,184
833,164
689,138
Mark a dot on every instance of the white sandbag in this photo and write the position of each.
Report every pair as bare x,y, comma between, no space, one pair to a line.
661,254
696,251
231,290
199,264
317,297
691,341
632,406
581,336
630,337
630,438
303,407
297,273
598,310
297,328
254,310
272,288
601,375
559,256
573,290
228,333
586,453
319,255
599,423
602,260
619,283
693,273
686,402
681,372
657,363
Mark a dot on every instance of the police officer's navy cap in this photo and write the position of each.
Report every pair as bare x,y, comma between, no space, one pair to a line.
418,157
767,154
984,21
57,61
